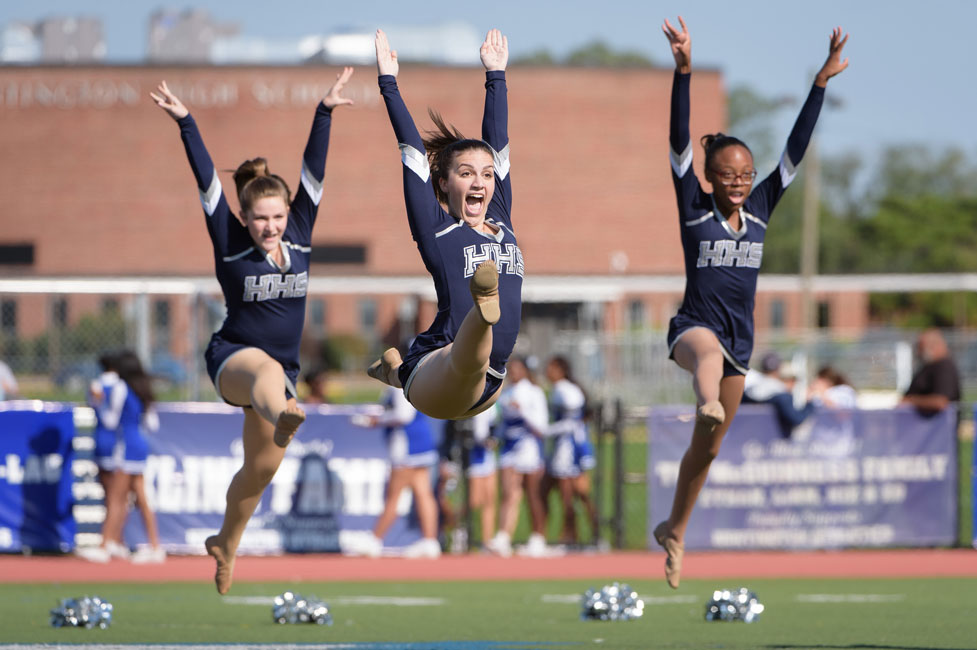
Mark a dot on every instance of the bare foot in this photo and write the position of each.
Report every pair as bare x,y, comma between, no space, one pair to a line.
385,368
288,423
225,564
674,551
484,286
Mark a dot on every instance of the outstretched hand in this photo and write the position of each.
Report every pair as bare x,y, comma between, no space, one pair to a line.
169,102
386,58
495,50
833,65
335,97
681,44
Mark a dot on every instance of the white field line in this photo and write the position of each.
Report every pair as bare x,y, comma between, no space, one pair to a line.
850,598
397,601
649,600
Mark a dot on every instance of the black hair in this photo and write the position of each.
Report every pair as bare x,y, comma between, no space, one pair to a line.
139,381
713,143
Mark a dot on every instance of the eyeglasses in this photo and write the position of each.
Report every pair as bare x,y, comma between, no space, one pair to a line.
728,178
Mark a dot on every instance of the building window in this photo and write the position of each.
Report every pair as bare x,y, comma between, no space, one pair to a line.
8,317
368,315
777,313
16,254
317,317
59,312
110,306
636,314
338,254
824,314
161,324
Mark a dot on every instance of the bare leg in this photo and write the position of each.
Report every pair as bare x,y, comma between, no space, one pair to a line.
534,498
252,378
114,485
511,495
449,382
482,498
569,513
261,460
137,486
581,490
427,507
399,479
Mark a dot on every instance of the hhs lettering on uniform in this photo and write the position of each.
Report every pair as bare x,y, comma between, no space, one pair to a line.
509,262
275,285
730,253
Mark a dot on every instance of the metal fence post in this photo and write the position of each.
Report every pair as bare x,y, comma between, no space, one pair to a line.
618,431
599,479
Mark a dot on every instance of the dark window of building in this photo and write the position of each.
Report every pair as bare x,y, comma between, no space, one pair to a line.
8,317
317,316
110,306
777,313
161,324
338,254
824,314
636,314
16,254
59,312
368,315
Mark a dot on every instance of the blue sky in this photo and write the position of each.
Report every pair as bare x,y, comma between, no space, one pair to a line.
911,78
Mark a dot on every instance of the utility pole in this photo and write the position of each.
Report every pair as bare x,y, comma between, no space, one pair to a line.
809,238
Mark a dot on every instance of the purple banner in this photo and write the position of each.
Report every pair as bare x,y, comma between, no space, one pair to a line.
329,489
35,477
843,479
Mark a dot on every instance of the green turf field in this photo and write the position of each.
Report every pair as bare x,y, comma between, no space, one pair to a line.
877,613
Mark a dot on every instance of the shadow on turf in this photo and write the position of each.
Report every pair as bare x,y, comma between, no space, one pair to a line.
857,646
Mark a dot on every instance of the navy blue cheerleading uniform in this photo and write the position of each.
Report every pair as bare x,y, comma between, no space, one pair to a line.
450,249
265,301
722,264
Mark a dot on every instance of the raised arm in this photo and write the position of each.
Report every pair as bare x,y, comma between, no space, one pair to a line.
309,193
211,192
678,136
800,135
495,119
422,206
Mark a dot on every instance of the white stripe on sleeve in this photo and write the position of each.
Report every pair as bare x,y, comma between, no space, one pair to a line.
212,196
311,185
501,160
681,161
415,161
787,170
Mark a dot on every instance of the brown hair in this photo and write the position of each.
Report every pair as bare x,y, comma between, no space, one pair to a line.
442,144
713,143
254,181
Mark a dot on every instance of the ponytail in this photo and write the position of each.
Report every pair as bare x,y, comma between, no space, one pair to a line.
253,181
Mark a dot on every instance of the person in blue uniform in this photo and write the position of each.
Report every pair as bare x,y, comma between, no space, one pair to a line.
137,418
261,257
572,455
482,473
410,442
722,237
458,198
107,396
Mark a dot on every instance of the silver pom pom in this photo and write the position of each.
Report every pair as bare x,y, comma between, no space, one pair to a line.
616,602
82,612
733,605
293,608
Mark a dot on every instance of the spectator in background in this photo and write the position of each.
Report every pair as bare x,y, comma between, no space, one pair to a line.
771,385
832,389
936,383
482,472
410,441
8,383
524,422
314,385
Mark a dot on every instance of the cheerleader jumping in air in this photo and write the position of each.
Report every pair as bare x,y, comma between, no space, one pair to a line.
262,262
458,200
722,238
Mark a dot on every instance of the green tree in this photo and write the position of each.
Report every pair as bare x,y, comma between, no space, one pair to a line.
600,54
